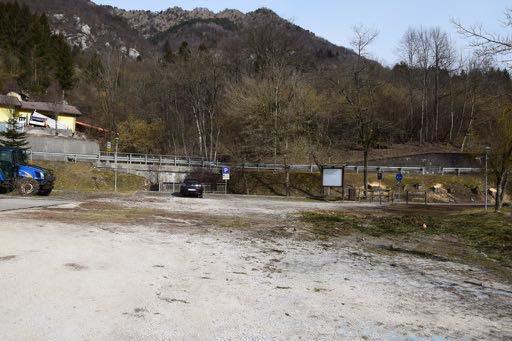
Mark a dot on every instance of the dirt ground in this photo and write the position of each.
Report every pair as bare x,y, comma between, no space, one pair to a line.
168,268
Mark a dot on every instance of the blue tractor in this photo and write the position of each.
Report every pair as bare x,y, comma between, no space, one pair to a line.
17,174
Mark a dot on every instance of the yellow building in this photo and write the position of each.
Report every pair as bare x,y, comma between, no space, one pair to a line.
13,106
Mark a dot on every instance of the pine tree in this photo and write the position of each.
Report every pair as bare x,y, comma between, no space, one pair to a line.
184,51
168,54
13,137
64,68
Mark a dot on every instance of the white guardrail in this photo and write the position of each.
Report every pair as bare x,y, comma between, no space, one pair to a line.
172,160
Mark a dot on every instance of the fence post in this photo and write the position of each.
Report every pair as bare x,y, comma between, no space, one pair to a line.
407,197
426,198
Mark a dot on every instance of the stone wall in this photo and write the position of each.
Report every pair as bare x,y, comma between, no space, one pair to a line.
58,144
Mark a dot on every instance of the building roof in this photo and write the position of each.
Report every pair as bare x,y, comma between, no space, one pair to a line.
9,101
47,107
51,108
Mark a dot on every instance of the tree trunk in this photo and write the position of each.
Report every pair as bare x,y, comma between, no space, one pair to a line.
423,109
470,125
501,187
436,102
287,180
365,173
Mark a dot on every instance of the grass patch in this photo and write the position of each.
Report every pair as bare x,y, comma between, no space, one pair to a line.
84,177
310,184
488,234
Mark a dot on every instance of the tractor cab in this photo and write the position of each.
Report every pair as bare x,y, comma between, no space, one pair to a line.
15,172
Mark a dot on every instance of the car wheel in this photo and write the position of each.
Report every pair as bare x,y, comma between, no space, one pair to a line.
27,186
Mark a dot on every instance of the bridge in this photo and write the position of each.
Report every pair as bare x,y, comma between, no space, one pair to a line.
173,168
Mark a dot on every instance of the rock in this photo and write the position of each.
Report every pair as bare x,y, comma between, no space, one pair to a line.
86,29
133,53
373,185
438,188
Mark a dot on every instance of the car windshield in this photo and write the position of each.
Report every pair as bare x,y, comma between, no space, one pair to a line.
191,182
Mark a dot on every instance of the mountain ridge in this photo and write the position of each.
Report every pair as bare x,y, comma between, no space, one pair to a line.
90,26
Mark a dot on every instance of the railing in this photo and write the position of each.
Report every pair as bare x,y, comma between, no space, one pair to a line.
410,197
174,187
174,160
216,188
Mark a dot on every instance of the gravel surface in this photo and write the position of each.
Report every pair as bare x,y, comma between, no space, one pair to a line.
8,203
173,281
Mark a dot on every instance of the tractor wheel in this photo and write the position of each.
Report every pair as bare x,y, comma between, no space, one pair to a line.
27,186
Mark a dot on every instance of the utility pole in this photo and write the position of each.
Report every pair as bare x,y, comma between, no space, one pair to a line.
487,149
115,164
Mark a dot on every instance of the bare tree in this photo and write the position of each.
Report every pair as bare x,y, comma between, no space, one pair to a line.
496,131
359,95
409,52
105,73
441,59
486,43
424,62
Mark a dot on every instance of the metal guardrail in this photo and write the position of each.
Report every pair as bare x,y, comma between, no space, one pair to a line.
173,160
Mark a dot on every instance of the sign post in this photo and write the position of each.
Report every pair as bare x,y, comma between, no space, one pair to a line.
109,149
332,176
399,177
226,172
380,176
115,162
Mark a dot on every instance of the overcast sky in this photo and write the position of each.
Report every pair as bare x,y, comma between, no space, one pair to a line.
334,19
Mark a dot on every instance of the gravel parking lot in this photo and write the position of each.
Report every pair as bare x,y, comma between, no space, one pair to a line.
8,203
162,268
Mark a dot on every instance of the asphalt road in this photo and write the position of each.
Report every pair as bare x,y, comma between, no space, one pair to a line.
8,203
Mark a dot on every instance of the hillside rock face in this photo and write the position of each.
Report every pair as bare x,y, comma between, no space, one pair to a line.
150,23
138,33
88,26
222,30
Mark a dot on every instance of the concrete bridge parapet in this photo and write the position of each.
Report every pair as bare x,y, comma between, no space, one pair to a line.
156,174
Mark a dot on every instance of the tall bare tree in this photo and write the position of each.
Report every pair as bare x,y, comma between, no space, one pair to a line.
441,60
409,53
497,130
359,95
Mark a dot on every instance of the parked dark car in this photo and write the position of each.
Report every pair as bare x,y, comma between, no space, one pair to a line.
192,187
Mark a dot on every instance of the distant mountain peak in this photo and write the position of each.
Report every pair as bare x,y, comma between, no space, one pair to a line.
94,27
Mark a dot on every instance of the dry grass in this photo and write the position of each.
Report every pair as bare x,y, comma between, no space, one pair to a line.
460,234
84,177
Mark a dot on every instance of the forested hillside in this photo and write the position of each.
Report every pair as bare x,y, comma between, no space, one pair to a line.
32,58
253,86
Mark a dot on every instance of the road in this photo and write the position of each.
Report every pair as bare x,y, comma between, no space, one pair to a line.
8,203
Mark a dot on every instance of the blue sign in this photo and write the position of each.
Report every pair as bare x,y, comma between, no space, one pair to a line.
225,173
399,177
